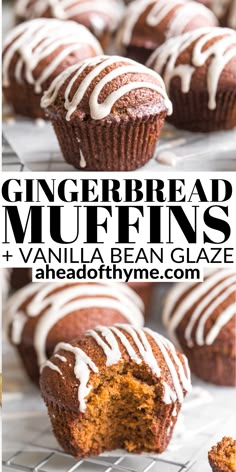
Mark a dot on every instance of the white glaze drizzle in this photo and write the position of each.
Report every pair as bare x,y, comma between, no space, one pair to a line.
36,40
214,291
69,9
204,311
184,13
82,161
167,158
164,59
106,338
57,305
98,110
62,358
82,368
51,365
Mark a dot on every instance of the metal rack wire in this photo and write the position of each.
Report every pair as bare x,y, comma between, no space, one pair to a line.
52,461
37,150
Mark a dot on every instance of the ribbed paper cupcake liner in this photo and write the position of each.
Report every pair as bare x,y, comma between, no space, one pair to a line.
212,366
108,146
29,360
24,100
63,420
191,112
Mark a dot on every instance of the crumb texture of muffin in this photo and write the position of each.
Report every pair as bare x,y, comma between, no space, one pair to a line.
199,70
149,23
116,387
41,315
107,113
34,53
222,457
201,318
101,17
224,10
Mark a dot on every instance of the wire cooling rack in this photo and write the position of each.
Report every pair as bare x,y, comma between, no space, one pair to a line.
28,443
35,147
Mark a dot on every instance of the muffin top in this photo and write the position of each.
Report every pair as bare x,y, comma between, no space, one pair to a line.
225,10
223,455
204,59
42,314
148,23
203,314
107,87
75,368
97,15
37,50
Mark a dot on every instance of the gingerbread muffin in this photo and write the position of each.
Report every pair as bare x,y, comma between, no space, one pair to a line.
199,70
101,17
224,10
13,279
149,23
37,51
42,314
116,387
201,318
107,113
145,291
19,277
222,457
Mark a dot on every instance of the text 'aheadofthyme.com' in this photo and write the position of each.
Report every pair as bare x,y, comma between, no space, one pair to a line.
124,229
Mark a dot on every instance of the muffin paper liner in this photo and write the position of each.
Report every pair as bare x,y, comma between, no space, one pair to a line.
190,110
24,100
108,146
62,420
212,366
